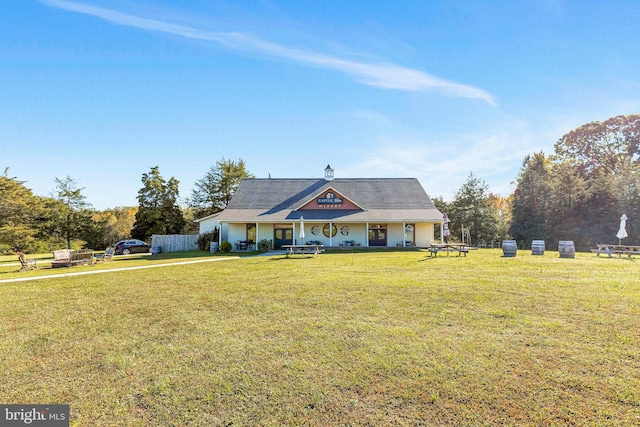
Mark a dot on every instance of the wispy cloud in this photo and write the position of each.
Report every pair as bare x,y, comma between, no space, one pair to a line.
381,75
443,165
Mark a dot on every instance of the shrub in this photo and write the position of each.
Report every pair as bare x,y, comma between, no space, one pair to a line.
204,240
264,245
225,247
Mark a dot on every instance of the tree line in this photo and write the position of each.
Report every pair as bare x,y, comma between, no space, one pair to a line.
36,224
581,190
577,193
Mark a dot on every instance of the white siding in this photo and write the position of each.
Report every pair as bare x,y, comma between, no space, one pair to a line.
236,232
356,232
208,225
424,234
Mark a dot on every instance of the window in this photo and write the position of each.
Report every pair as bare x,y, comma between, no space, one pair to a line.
325,230
409,234
251,232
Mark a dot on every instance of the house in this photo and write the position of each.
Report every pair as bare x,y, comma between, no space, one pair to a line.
333,211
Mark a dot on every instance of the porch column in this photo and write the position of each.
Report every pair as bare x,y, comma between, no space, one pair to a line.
257,235
330,233
366,235
442,233
404,235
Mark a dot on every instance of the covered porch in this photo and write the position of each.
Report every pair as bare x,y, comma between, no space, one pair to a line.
253,235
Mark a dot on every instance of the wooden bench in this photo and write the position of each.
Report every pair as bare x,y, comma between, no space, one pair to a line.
70,258
61,258
302,250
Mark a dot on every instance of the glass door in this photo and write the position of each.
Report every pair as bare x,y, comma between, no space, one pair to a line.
378,235
282,236
410,234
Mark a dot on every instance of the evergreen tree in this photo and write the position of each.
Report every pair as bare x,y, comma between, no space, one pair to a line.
603,208
580,192
158,210
626,191
472,210
213,192
568,206
531,201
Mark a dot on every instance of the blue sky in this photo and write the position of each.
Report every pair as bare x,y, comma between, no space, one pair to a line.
102,91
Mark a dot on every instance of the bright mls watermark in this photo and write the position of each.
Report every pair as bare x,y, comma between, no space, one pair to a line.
34,415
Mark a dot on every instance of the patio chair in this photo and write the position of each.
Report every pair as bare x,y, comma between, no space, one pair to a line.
106,256
27,264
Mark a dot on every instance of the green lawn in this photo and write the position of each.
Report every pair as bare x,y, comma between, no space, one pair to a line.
10,266
344,339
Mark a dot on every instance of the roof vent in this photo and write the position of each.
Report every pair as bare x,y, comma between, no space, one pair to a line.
328,173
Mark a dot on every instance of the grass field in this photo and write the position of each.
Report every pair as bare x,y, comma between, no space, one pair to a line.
344,339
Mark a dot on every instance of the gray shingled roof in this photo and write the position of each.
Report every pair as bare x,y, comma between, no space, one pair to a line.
382,199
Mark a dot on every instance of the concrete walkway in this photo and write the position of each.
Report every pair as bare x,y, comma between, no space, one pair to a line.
110,270
272,253
169,264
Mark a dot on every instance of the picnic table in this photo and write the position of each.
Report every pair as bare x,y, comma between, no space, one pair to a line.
619,250
461,248
302,250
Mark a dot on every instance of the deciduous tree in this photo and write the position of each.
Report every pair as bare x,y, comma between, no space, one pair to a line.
74,219
502,207
20,214
113,225
604,145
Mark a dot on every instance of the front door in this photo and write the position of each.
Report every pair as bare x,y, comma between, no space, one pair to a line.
282,236
378,235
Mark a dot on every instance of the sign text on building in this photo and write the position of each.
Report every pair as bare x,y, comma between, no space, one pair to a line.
329,199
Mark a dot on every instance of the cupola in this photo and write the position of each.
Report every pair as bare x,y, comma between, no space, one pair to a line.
328,173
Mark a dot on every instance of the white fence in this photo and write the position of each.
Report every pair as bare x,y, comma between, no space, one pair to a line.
175,242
